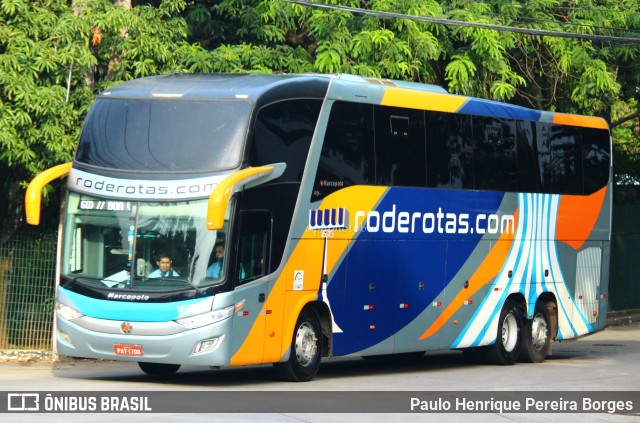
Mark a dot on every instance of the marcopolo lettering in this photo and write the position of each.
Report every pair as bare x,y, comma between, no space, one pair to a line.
127,297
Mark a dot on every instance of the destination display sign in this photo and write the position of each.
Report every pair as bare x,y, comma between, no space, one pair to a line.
105,205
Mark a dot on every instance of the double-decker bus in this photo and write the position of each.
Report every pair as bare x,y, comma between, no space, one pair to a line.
358,217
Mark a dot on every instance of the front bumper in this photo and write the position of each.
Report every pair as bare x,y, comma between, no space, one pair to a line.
159,342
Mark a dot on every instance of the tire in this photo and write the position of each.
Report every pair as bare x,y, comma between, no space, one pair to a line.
506,349
158,369
536,336
306,350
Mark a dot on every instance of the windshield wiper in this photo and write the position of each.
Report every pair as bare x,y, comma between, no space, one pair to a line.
191,284
70,280
110,282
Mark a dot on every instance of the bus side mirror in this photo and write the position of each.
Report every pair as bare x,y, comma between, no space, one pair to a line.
251,176
33,196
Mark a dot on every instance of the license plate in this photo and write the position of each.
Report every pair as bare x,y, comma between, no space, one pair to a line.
128,350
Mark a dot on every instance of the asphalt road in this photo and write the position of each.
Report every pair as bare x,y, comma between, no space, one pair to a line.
592,366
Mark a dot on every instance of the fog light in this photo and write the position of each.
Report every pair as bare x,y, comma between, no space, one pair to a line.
205,345
64,337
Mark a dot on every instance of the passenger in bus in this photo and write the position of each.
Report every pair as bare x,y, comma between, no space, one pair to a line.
164,269
215,270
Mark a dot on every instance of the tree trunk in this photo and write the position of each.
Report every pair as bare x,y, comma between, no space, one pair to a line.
114,57
625,119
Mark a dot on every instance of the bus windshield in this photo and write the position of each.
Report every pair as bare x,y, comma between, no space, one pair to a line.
149,246
160,136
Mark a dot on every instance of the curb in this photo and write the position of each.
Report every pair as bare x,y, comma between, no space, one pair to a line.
621,318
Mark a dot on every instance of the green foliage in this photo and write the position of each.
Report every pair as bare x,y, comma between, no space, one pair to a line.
39,45
96,44
460,72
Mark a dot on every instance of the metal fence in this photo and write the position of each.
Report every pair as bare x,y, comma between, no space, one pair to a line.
624,285
27,273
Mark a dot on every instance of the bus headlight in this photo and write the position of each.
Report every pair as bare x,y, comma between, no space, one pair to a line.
66,312
208,318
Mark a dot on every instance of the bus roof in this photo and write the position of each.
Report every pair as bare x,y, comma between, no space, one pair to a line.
264,88
240,85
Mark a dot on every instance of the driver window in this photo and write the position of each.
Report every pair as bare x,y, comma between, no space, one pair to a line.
217,263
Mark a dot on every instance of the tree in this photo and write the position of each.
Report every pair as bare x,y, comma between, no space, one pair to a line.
55,56
40,45
573,75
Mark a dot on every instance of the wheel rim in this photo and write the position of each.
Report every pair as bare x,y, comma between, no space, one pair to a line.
539,332
509,332
306,344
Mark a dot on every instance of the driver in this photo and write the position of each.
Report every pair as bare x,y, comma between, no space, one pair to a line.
164,269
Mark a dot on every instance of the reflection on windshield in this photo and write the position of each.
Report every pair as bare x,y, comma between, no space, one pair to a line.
136,134
140,245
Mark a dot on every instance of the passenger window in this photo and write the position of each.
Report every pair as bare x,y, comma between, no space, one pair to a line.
282,133
528,169
595,159
347,156
449,150
495,154
566,160
400,147
543,135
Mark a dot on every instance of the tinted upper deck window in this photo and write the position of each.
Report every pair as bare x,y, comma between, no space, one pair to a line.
596,159
282,133
495,154
347,153
400,147
449,150
159,135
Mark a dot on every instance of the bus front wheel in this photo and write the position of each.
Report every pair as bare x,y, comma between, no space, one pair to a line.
536,336
306,350
158,369
507,347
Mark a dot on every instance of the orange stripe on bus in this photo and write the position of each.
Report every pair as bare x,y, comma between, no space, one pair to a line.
583,121
258,348
577,216
488,270
307,256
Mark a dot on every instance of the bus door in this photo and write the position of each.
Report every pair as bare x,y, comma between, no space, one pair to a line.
465,287
253,264
588,280
370,298
420,271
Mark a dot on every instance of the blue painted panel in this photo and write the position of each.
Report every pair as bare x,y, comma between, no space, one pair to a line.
405,241
491,108
128,310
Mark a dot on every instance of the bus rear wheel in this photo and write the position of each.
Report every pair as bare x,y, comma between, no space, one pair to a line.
158,369
306,350
536,336
507,347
